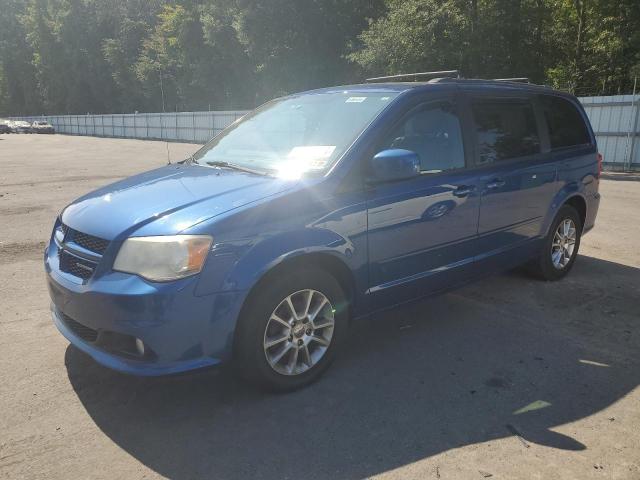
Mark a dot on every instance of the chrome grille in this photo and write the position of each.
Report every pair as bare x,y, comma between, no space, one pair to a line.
89,242
76,266
72,259
94,244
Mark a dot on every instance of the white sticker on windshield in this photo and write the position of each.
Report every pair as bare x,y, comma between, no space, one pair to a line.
355,99
310,153
305,158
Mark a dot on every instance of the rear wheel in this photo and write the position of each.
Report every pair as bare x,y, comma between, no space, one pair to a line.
560,247
291,328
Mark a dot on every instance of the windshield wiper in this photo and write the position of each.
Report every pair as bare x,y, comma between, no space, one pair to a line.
233,166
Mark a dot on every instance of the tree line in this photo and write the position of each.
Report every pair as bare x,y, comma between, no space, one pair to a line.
107,56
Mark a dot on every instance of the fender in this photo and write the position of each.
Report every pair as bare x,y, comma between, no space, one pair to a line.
570,190
275,250
247,264
235,267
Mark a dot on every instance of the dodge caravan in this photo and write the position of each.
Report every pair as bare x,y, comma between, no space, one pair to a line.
315,209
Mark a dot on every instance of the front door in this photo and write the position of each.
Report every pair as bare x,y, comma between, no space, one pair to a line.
422,232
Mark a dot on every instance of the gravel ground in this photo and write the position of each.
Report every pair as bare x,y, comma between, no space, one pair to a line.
507,378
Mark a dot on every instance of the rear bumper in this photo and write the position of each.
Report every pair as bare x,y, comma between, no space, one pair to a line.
180,330
593,204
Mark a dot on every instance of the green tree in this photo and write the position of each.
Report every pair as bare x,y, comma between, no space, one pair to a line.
296,45
133,21
415,35
597,45
19,91
78,56
194,58
497,38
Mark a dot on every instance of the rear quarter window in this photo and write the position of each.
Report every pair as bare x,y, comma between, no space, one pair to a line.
565,123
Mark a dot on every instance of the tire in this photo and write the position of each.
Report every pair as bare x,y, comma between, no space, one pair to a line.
546,266
258,327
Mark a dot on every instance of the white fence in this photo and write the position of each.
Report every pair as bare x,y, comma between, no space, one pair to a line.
614,120
196,127
615,123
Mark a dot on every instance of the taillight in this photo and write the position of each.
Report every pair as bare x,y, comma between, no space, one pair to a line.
599,164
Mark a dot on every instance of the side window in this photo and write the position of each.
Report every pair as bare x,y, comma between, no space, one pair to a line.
565,124
505,129
434,133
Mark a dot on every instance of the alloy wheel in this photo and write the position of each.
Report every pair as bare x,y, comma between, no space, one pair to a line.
299,332
564,243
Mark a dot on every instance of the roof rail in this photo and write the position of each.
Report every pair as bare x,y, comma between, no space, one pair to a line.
516,79
415,76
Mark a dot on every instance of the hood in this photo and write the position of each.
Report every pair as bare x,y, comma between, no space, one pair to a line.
167,200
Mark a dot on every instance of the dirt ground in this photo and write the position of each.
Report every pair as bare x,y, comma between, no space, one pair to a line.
509,378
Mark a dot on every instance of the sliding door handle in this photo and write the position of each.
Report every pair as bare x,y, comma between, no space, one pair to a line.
463,190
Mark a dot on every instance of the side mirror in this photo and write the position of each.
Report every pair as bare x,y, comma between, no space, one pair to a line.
395,164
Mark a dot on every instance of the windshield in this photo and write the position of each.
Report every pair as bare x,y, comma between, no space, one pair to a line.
295,135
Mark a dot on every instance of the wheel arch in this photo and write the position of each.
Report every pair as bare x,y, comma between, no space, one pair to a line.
326,261
567,196
580,204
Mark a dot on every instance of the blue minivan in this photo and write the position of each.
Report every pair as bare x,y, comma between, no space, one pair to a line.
315,209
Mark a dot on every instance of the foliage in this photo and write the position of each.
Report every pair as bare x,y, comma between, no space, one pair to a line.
79,56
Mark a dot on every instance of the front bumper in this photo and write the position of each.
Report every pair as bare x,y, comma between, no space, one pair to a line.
181,331
122,364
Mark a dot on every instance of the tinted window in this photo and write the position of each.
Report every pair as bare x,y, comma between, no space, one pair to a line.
505,129
565,124
434,133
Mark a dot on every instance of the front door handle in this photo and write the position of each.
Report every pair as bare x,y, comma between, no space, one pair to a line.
496,183
463,190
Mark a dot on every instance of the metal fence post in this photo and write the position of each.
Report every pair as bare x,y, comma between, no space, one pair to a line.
634,135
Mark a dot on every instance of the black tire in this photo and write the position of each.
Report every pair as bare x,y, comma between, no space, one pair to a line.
249,353
543,267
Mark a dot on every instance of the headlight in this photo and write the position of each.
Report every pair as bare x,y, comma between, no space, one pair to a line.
163,258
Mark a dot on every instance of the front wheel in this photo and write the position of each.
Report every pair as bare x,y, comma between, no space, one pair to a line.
290,330
560,247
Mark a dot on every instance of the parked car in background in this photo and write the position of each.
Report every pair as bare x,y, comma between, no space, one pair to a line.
20,126
4,126
41,126
318,208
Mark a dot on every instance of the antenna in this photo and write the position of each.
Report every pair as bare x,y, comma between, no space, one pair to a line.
168,155
415,76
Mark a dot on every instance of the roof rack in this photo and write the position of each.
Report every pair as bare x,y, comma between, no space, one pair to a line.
415,76
516,79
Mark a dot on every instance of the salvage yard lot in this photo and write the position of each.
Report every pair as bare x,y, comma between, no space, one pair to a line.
509,377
